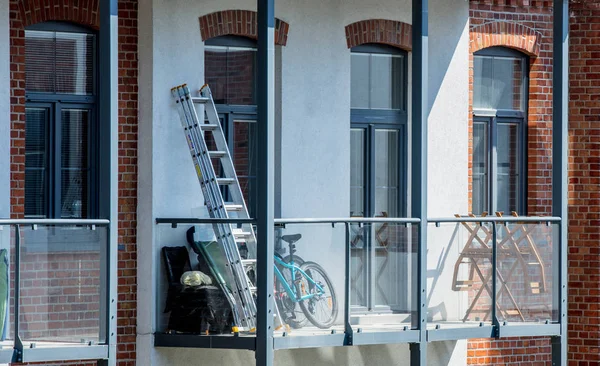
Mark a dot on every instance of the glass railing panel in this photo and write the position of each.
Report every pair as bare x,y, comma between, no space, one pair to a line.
7,250
62,274
383,264
526,283
310,278
196,287
459,273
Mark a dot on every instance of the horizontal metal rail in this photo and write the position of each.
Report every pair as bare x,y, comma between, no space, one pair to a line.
523,219
189,220
362,220
57,222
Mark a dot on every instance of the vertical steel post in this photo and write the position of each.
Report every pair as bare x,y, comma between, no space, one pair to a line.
108,168
265,180
420,112
347,288
560,133
494,313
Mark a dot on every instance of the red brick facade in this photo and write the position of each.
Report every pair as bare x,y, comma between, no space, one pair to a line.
584,184
390,32
239,23
85,12
534,22
527,27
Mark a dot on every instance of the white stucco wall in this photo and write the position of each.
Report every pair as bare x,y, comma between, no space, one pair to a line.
313,145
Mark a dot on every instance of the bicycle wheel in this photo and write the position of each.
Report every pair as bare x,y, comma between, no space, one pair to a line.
290,310
322,308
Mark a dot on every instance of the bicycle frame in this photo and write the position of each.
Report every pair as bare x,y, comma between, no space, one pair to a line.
291,291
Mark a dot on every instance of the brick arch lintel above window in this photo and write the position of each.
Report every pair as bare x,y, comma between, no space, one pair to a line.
239,23
505,34
383,31
82,12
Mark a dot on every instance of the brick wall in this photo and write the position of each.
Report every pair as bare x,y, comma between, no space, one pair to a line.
85,12
525,26
584,184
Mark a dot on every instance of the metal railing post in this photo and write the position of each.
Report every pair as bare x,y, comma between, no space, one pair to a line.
18,343
347,326
495,321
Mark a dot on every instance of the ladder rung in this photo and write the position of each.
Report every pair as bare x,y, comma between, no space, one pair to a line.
253,289
225,181
238,234
248,262
217,154
209,127
233,207
200,100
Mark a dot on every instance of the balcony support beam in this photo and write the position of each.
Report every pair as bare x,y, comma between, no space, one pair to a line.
108,169
265,180
420,113
560,133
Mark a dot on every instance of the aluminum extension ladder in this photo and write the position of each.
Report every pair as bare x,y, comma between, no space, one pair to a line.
229,268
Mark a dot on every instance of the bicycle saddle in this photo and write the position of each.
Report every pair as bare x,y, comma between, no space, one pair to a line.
291,239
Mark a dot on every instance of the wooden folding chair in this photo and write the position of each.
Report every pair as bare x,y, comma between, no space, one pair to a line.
477,250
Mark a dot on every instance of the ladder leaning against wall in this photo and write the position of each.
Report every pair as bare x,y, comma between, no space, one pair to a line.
234,271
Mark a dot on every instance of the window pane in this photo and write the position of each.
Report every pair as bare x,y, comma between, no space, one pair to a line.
480,168
357,172
508,82
40,61
36,162
498,83
359,90
377,81
244,160
231,74
482,85
381,82
386,172
59,62
74,160
74,63
215,72
508,168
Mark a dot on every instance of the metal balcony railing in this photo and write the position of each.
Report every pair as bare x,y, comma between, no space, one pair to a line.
53,290
487,277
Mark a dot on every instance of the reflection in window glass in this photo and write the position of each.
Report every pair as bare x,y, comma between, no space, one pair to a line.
508,167
386,172
480,168
231,74
57,62
377,81
74,160
498,82
357,172
36,161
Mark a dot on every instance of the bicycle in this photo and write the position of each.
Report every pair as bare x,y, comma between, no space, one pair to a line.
307,285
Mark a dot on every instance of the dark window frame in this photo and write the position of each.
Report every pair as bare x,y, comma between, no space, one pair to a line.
55,103
229,113
371,120
494,117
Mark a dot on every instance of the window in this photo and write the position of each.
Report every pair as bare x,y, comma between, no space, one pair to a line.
499,131
378,131
230,71
378,159
60,122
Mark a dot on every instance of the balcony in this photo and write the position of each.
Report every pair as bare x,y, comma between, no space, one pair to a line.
492,277
53,277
